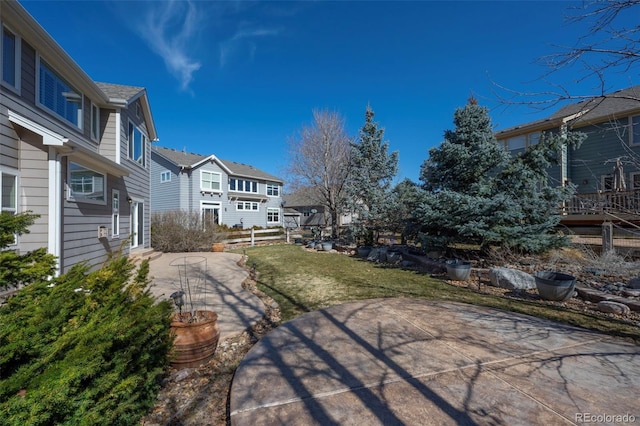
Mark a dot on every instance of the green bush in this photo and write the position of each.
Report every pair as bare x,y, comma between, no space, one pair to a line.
84,348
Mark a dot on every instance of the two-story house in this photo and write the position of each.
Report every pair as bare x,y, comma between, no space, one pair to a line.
73,151
606,168
224,192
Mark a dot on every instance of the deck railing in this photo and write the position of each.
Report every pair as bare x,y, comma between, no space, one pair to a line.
604,202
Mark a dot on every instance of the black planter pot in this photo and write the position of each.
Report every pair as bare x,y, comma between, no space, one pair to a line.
555,286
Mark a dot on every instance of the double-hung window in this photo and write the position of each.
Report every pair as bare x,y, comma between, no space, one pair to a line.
10,59
273,189
95,122
137,145
273,215
115,213
210,181
9,196
55,94
86,185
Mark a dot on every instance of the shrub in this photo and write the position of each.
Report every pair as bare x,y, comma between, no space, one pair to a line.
180,231
86,348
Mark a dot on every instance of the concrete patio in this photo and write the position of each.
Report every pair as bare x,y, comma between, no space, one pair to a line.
419,362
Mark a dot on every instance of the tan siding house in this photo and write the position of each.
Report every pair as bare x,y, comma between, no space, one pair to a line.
73,151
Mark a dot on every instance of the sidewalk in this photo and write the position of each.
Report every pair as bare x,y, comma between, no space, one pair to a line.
423,362
216,283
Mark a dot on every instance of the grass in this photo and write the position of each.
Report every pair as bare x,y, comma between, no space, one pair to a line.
302,281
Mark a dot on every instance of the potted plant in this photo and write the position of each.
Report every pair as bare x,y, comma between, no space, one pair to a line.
217,237
195,331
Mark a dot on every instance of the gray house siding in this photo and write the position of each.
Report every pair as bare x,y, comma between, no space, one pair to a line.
37,145
164,195
187,194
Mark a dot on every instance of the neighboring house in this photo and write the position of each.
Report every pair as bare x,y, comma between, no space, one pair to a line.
74,151
224,192
605,169
302,210
612,126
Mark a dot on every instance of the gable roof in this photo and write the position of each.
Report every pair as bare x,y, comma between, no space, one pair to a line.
590,111
190,160
121,95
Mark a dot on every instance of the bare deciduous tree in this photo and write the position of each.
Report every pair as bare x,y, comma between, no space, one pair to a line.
609,45
318,162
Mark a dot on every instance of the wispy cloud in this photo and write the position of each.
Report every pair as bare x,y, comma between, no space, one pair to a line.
169,27
243,41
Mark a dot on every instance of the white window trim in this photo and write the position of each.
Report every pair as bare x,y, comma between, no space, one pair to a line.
273,185
632,175
632,142
279,215
18,60
14,173
250,203
205,204
145,139
55,113
242,190
163,174
85,200
207,190
115,214
95,125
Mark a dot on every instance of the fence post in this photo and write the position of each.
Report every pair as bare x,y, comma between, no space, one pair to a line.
607,237
253,237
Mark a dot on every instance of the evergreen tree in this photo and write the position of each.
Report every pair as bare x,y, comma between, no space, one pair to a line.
406,197
21,269
478,194
369,184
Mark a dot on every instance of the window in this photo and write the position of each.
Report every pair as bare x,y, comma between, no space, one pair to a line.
517,142
9,196
635,180
607,183
273,215
165,176
115,213
534,138
95,122
137,145
10,59
210,181
273,189
59,97
86,185
634,134
243,185
247,205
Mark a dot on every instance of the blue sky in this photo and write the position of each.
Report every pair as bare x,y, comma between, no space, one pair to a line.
238,79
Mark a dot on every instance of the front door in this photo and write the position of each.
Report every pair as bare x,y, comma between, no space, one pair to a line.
137,223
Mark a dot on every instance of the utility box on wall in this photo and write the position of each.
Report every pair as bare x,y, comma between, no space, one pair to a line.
103,232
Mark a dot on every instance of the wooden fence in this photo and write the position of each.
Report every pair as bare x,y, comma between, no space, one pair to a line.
254,236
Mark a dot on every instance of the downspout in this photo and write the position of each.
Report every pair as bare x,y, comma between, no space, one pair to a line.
55,204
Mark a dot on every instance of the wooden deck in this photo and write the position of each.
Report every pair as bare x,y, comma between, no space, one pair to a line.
596,208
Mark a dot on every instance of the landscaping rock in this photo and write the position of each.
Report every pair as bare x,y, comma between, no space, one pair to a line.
635,283
613,307
512,279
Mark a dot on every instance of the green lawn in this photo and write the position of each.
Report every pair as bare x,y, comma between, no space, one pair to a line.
303,281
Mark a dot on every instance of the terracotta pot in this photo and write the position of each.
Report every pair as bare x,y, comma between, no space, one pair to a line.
217,247
194,342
